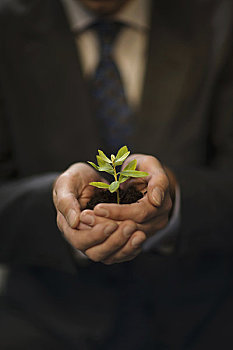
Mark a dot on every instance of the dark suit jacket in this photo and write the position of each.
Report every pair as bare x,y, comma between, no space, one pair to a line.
185,119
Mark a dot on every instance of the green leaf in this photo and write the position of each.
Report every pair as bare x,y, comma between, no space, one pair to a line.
114,186
123,178
121,152
101,161
133,173
131,166
104,157
107,169
99,184
94,165
104,166
121,159
113,158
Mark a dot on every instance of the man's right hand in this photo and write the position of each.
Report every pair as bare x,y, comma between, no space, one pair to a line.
71,193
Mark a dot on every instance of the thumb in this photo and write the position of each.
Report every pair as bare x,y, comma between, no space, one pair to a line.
158,185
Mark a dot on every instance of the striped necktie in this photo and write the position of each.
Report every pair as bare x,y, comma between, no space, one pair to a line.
113,114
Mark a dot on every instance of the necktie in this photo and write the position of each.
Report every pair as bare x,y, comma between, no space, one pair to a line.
113,114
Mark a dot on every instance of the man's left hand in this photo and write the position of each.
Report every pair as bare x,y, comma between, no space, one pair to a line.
151,213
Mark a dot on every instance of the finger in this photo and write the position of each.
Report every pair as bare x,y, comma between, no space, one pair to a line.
158,182
85,239
113,243
88,219
139,212
65,199
160,220
68,232
60,221
158,186
82,226
152,226
149,227
129,251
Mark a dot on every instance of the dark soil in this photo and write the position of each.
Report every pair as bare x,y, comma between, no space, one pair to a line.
131,195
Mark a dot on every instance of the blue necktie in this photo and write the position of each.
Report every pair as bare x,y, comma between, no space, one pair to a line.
114,116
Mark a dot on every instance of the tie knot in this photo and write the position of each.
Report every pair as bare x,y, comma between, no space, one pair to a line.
107,32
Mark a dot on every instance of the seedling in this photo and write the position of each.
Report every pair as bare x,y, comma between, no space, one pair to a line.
109,166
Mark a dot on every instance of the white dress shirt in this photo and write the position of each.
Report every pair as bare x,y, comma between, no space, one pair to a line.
130,59
130,54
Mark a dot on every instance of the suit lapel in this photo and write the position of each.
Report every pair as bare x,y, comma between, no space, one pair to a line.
173,71
52,106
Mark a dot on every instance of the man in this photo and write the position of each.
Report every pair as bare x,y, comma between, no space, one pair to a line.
180,300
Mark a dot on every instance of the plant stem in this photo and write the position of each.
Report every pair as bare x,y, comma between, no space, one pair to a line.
115,177
118,197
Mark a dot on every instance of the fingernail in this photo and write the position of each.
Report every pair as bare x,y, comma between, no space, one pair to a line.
128,230
158,196
88,219
102,212
110,229
71,217
137,241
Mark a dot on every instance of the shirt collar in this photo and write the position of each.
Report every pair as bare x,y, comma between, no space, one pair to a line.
135,14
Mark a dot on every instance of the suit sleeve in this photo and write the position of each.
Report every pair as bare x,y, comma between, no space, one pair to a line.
207,192
28,234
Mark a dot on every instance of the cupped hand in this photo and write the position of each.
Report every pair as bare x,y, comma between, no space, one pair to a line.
151,213
113,233
122,238
99,238
71,193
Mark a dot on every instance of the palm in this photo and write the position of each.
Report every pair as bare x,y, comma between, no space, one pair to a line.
86,191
